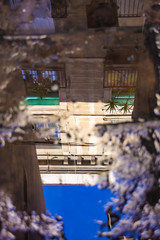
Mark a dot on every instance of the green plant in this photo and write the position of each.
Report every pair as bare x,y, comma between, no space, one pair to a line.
40,90
126,107
38,84
111,105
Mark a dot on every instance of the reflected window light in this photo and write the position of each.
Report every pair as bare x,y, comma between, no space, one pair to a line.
121,77
41,76
37,75
39,86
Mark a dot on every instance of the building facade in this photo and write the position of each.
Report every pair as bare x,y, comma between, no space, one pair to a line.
93,82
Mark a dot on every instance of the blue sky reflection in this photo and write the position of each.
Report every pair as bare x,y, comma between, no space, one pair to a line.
79,206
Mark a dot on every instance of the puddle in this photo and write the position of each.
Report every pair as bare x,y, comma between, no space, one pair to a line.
75,77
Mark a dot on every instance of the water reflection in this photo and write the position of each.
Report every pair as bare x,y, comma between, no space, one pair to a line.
67,66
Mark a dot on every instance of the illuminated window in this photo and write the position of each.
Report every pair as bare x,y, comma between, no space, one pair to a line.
120,77
122,82
37,76
42,86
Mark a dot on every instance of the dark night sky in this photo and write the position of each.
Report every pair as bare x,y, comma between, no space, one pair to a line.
79,206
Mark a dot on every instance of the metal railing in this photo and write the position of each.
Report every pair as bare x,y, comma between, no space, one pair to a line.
72,164
61,78
120,77
31,77
130,8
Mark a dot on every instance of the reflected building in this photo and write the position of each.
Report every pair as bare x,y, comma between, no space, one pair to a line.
33,18
96,84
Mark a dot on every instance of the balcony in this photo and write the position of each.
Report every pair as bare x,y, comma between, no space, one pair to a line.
130,8
120,77
114,13
62,164
42,86
46,77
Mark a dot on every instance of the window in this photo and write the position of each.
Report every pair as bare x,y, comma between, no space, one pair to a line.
122,82
42,86
120,77
33,76
49,132
102,14
130,8
59,8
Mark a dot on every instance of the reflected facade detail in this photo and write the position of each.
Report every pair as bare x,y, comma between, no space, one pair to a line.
94,77
69,65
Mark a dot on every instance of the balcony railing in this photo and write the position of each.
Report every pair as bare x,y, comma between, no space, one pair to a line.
72,164
45,78
120,77
130,8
